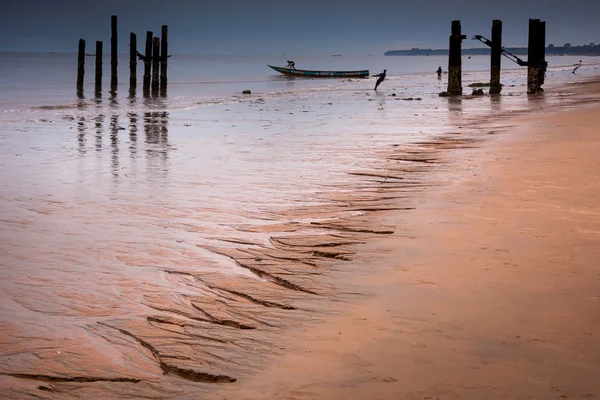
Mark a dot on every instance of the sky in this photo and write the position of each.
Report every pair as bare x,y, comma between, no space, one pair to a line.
289,26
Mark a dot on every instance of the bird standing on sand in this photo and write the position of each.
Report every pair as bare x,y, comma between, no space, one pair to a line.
380,78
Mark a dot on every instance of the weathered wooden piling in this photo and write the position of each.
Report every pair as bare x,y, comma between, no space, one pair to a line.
455,60
536,63
113,52
147,61
532,77
132,61
496,59
155,64
80,65
542,49
98,80
164,49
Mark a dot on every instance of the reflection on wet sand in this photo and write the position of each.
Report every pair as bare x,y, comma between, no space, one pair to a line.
152,291
157,142
81,128
155,125
133,119
99,131
114,144
496,103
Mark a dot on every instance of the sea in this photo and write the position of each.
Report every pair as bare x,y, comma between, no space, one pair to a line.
106,195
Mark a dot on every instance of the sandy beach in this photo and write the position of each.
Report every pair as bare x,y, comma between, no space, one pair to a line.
489,290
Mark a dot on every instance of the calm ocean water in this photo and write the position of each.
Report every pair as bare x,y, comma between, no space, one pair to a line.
100,194
42,79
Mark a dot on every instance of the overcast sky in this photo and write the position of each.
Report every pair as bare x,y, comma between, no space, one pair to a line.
289,26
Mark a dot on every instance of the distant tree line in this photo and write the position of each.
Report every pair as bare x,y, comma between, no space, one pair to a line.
591,49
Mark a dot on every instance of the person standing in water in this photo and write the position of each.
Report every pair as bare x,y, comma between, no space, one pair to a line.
439,71
577,66
380,78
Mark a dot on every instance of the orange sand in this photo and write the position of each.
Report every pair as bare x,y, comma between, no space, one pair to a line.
492,290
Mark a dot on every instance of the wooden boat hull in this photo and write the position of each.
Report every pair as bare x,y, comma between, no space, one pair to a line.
321,74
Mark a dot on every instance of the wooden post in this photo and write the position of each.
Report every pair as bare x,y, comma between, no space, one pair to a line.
113,52
455,60
132,61
98,81
495,86
542,54
80,65
147,62
164,49
155,65
533,57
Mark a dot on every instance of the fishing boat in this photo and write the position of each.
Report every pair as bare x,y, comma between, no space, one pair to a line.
321,74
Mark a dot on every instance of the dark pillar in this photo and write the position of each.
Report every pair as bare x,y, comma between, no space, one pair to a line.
132,61
535,56
455,61
542,55
147,62
164,49
113,52
155,65
495,86
98,80
80,65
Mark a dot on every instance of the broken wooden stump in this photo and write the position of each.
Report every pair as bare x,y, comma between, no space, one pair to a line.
113,52
536,64
132,61
496,59
147,63
455,60
98,77
80,65
155,65
164,49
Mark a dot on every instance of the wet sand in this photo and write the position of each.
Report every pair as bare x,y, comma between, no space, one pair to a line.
158,295
490,289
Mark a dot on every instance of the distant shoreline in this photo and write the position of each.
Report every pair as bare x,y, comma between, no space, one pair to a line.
551,50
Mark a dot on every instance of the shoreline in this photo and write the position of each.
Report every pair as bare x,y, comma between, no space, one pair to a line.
487,291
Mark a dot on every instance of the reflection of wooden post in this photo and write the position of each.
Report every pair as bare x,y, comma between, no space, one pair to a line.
113,52
98,81
495,86
155,64
164,48
533,57
147,61
132,60
455,60
80,65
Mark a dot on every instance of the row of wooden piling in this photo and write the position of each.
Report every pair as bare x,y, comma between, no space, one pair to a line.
536,64
536,55
155,62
